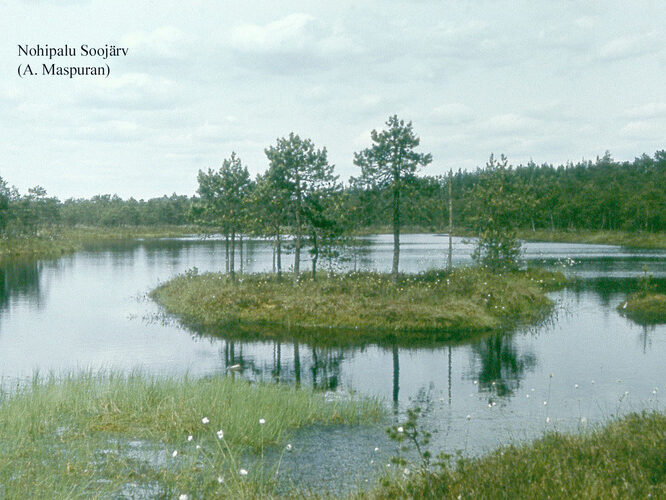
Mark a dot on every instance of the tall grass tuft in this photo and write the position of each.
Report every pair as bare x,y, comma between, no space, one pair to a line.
100,435
624,459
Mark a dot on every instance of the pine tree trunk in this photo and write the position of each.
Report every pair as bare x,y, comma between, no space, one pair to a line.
299,231
279,254
232,267
315,256
396,231
240,239
226,252
449,263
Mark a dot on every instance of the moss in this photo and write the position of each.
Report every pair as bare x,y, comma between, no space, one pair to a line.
644,308
360,307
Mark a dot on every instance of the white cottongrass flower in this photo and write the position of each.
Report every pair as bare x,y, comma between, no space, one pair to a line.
406,471
262,421
205,420
376,448
288,446
243,472
400,429
183,497
547,420
190,438
468,417
198,447
174,454
220,479
220,434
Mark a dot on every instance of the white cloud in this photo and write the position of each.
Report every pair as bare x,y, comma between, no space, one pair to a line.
630,46
135,91
166,41
508,123
452,113
643,130
646,111
295,33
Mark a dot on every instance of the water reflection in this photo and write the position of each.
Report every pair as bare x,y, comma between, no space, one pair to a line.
20,280
499,366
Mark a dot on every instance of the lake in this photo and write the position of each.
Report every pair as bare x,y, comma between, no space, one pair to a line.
583,366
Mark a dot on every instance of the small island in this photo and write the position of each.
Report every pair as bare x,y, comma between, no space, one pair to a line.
645,308
361,306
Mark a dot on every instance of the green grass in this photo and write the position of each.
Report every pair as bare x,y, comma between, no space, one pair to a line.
644,308
625,459
55,242
96,436
359,307
636,239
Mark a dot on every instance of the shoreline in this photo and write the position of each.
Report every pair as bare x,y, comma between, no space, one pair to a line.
357,308
54,243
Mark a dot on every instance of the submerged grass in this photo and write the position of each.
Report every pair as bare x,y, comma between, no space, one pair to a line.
367,306
90,436
645,308
624,459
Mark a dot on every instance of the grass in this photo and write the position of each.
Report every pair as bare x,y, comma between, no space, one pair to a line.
359,307
55,242
624,459
108,435
644,308
636,239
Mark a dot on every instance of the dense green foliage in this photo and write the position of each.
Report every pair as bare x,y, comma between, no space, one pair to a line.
113,436
390,164
497,205
595,196
361,307
624,459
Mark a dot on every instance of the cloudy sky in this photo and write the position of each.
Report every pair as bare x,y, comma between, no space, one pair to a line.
552,81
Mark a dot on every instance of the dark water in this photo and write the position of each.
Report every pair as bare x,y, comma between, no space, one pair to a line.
587,364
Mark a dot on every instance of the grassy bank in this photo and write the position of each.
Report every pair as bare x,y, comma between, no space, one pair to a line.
624,459
644,308
636,239
361,307
53,243
622,238
91,436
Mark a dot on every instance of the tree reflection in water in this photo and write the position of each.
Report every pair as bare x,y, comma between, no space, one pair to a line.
499,365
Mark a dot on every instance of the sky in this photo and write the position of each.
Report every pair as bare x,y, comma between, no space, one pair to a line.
548,81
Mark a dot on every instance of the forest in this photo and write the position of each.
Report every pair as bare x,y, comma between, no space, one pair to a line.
589,195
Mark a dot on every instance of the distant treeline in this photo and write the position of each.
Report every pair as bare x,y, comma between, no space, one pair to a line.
600,195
